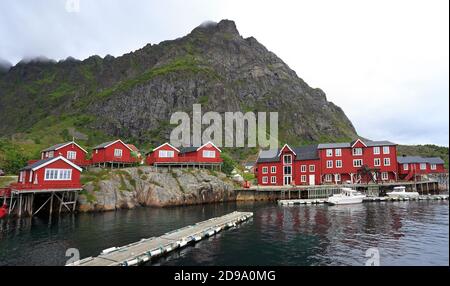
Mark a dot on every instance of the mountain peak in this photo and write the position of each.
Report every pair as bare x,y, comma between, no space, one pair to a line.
224,26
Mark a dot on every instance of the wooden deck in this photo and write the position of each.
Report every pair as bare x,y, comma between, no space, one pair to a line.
146,249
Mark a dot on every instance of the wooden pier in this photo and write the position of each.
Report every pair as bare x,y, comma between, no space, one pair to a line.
146,249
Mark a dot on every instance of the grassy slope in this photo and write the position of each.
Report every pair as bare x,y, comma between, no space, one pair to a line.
425,151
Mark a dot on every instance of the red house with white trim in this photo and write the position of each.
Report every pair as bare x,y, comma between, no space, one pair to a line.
410,167
113,152
56,173
69,150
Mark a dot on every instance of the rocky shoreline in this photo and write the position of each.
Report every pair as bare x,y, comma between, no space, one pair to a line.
128,188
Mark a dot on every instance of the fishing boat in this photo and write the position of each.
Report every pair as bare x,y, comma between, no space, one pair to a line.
400,192
347,196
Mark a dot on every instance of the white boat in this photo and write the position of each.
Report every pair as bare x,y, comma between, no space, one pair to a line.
400,192
347,196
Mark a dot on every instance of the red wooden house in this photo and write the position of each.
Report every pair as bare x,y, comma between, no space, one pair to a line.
288,166
410,167
56,173
69,150
113,152
343,162
164,153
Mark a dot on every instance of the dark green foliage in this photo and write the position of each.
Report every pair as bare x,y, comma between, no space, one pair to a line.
228,163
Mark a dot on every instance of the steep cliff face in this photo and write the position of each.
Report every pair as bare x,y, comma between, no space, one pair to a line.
143,186
134,95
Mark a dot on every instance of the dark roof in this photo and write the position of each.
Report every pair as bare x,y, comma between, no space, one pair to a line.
54,147
103,145
350,144
36,164
379,143
302,153
188,149
418,159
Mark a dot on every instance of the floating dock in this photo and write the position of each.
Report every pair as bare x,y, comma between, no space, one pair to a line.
146,249
367,199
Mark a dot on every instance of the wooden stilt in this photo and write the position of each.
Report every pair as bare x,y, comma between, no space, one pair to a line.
51,204
20,205
61,202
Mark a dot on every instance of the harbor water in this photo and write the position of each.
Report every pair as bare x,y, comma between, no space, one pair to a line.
400,233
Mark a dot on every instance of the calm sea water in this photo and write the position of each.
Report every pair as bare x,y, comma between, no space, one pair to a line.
404,233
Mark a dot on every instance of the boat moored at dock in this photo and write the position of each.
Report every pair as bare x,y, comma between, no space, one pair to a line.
347,196
400,192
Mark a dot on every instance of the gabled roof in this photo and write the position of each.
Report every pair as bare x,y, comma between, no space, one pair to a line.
42,163
168,144
109,143
207,143
61,145
379,143
333,145
358,140
195,148
367,143
133,148
286,145
418,159
302,153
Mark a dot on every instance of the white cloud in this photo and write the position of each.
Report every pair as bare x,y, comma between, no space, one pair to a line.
384,62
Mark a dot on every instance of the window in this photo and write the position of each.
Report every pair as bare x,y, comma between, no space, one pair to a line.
329,152
265,170
50,154
338,152
337,177
312,168
329,164
384,176
287,170
357,163
377,162
357,151
303,168
21,177
405,167
338,163
376,150
209,154
386,150
264,180
287,159
387,161
166,154
58,174
328,178
433,166
303,178
273,179
117,152
423,166
71,155
273,169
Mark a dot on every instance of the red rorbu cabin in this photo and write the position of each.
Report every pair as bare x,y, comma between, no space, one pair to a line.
162,154
411,167
69,150
113,152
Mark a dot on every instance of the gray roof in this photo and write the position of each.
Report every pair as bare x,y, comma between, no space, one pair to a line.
103,145
334,145
55,147
418,159
188,149
379,143
302,153
349,144
36,164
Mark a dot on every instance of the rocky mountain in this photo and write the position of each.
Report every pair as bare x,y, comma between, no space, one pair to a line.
134,95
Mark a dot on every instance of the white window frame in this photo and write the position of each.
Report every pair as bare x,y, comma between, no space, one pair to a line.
287,156
209,154
433,167
52,174
312,168
118,153
384,176
386,150
265,180
21,176
387,161
337,177
376,150
303,178
303,168
273,169
273,179
329,164
405,166
358,160
357,151
71,155
423,166
50,154
375,160
338,152
338,165
284,170
329,152
166,153
328,178
265,170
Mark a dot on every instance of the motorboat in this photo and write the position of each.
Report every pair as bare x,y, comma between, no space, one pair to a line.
400,192
347,196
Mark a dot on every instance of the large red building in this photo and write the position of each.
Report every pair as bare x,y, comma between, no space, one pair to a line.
166,154
113,152
69,150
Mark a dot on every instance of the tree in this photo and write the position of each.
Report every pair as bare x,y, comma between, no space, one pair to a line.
228,164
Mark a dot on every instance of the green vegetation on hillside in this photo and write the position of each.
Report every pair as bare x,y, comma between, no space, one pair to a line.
427,150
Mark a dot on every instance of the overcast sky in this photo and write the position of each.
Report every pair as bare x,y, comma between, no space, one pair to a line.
386,63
